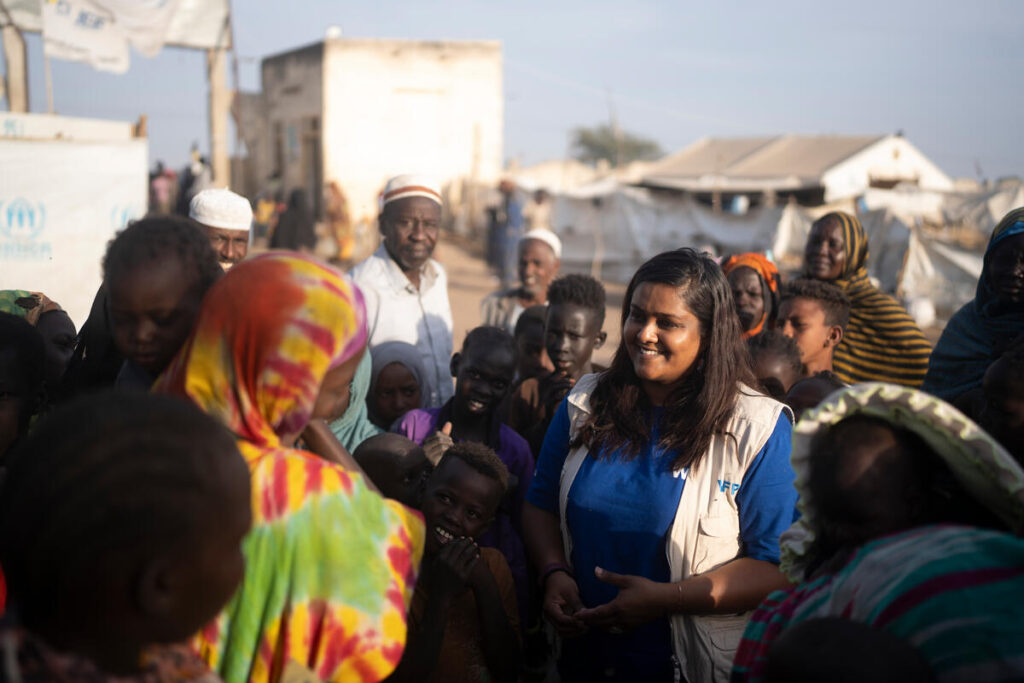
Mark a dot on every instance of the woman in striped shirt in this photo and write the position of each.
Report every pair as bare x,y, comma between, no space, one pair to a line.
882,343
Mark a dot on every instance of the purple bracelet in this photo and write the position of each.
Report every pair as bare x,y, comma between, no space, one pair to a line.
551,568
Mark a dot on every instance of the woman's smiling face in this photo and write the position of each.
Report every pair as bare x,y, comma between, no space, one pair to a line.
663,338
825,252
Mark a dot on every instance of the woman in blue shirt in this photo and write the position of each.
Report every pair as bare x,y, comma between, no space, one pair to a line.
661,489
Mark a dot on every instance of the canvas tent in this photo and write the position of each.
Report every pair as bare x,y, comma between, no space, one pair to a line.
609,230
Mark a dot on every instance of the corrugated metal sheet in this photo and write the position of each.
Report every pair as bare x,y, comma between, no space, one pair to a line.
786,161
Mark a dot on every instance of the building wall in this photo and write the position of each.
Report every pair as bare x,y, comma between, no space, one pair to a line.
66,187
293,104
890,159
395,106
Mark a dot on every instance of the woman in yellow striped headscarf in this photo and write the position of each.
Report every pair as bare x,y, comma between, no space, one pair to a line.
330,565
882,343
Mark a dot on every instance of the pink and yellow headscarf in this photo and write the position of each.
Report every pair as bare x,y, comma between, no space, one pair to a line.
268,332
330,564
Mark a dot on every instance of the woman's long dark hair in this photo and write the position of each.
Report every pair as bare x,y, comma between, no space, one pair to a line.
700,408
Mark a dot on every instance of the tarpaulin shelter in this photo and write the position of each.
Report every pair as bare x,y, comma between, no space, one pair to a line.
609,230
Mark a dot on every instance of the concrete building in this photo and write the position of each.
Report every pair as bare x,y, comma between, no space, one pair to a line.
812,169
357,111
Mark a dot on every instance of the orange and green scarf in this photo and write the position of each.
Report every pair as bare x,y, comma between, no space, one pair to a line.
330,565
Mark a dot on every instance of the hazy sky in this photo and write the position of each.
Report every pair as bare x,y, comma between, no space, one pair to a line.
947,73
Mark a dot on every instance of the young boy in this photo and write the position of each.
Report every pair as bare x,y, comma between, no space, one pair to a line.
529,335
121,530
483,373
463,623
396,465
776,361
572,333
22,367
156,272
815,315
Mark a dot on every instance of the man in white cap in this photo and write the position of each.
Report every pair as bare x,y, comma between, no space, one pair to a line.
406,291
540,253
227,218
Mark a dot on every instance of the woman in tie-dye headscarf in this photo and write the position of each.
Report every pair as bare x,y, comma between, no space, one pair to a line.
881,343
330,565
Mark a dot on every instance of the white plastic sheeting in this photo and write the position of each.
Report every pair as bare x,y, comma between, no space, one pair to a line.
609,230
944,274
60,203
618,228
983,210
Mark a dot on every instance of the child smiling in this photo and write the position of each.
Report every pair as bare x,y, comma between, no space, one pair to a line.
571,335
463,621
483,373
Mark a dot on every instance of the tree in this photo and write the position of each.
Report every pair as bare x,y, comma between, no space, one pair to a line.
590,145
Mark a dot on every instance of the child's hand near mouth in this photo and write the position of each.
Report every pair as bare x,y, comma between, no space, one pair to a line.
454,565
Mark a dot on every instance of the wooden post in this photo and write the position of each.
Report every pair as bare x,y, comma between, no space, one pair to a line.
219,111
17,74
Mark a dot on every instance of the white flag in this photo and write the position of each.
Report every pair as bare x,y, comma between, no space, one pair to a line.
143,22
98,32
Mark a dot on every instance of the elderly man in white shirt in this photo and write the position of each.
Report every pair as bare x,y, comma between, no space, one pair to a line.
406,290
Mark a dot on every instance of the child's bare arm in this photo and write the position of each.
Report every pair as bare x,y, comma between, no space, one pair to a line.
501,641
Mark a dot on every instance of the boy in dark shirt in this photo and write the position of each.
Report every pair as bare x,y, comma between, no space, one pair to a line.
572,334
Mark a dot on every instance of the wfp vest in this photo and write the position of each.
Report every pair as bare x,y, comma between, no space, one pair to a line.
705,532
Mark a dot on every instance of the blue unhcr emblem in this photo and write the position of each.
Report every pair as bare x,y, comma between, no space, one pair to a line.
22,220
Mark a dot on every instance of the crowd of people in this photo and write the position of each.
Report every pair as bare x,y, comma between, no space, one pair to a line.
255,467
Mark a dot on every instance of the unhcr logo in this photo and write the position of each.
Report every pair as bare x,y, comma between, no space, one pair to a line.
20,219
121,216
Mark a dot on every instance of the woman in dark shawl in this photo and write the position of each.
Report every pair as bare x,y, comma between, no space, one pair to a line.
980,331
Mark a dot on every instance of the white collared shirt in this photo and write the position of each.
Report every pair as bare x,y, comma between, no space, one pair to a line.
397,311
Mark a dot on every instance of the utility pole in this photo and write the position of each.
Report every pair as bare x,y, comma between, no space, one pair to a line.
219,110
220,102
16,58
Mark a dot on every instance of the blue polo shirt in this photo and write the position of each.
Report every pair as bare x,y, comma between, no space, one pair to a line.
620,512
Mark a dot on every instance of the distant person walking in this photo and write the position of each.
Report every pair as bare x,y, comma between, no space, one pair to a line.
295,229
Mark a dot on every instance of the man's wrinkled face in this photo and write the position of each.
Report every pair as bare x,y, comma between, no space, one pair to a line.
410,228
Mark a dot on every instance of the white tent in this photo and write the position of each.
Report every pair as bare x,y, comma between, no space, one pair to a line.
609,230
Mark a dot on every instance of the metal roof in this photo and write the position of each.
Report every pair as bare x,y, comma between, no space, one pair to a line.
785,161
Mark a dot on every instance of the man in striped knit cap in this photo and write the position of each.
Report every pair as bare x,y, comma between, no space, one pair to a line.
406,290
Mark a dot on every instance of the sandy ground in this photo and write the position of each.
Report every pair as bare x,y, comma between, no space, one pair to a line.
470,280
